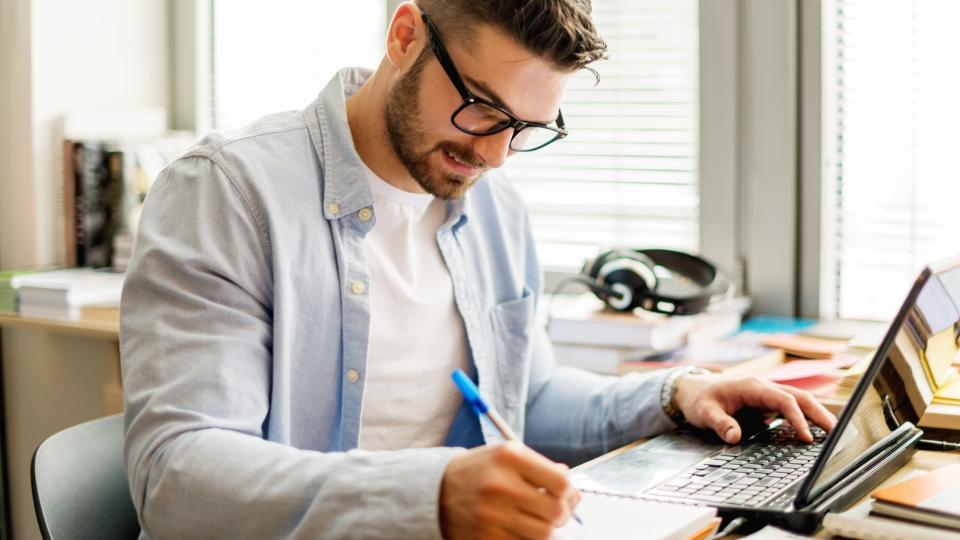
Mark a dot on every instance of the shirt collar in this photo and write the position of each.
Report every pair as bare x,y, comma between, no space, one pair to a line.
345,188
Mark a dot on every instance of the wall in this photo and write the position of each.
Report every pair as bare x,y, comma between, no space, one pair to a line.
57,56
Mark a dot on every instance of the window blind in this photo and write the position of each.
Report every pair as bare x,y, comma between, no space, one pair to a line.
627,173
892,113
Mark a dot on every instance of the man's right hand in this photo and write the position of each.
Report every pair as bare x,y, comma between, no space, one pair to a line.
504,491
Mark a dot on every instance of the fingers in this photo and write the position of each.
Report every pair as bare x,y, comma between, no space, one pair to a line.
547,492
538,470
712,415
794,404
812,408
780,400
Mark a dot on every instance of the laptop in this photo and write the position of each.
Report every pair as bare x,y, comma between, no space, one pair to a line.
771,476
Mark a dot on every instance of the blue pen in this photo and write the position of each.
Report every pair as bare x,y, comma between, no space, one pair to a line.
472,395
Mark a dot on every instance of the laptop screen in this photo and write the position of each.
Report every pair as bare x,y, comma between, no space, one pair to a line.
914,359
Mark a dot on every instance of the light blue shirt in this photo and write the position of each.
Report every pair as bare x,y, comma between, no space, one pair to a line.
244,330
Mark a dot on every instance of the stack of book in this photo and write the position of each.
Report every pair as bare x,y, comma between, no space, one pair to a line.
9,283
925,506
65,294
585,334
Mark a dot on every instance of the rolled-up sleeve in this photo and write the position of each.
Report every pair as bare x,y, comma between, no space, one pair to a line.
196,340
575,415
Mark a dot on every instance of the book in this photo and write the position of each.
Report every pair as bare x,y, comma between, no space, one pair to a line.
611,518
61,294
92,192
941,416
932,498
585,320
858,523
805,346
731,356
603,360
9,285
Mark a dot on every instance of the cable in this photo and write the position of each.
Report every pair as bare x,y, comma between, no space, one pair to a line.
937,446
731,528
923,444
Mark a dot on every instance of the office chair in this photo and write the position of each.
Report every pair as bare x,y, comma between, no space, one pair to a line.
80,489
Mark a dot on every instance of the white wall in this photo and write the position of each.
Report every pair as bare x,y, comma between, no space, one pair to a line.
57,56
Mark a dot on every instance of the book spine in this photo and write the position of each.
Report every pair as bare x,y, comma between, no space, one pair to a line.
95,218
81,152
69,204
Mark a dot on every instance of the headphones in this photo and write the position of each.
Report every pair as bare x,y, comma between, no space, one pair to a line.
658,280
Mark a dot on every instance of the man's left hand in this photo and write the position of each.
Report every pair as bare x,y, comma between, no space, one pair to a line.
710,401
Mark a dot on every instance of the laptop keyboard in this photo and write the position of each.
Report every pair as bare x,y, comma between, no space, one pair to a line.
748,475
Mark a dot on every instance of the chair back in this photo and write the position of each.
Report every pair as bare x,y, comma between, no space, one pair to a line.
80,489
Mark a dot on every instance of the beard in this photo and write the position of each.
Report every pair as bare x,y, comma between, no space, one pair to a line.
409,140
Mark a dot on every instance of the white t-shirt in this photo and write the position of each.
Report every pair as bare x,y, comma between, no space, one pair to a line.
416,334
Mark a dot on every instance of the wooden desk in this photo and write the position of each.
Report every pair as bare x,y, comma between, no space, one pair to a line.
923,460
101,329
103,325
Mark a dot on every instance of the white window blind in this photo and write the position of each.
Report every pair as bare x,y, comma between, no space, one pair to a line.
892,109
627,173
278,55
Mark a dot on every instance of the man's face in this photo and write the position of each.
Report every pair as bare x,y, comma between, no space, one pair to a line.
442,159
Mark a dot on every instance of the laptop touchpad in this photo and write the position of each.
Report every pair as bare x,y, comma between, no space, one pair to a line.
646,465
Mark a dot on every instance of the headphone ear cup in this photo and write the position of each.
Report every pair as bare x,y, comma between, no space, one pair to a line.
629,284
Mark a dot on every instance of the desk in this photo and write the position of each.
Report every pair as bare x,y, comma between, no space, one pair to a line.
55,374
923,460
101,329
106,327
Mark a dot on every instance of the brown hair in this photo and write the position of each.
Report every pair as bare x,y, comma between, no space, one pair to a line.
561,31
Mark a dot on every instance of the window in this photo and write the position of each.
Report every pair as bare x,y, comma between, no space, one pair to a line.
627,174
891,110
278,55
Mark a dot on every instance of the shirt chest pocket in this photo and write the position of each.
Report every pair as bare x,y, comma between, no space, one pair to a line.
512,332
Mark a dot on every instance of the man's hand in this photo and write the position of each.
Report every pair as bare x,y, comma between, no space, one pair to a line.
504,491
709,401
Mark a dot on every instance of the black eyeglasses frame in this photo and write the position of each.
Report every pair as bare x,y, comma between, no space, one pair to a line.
469,98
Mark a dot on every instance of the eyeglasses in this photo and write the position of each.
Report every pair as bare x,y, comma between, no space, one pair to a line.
477,116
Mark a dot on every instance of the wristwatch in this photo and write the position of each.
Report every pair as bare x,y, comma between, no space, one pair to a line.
668,391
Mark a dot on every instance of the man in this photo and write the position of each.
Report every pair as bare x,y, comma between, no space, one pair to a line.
301,292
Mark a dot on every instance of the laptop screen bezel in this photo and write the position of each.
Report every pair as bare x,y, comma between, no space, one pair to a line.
806,493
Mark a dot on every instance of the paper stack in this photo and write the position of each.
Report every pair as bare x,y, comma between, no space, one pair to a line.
62,294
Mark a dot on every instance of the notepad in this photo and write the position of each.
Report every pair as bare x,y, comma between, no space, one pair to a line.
610,517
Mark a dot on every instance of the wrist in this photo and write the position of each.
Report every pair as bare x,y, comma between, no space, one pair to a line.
671,395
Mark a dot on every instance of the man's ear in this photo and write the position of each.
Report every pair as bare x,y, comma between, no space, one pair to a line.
406,36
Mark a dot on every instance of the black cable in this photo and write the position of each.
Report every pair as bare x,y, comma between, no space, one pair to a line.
937,446
923,444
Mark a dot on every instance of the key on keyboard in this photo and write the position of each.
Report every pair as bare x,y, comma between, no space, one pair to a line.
748,475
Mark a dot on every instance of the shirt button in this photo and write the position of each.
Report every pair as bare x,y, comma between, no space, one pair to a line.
352,375
333,208
358,287
365,214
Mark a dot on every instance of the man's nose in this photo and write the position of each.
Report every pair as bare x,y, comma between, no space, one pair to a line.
494,148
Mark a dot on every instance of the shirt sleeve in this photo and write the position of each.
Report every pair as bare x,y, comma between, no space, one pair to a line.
196,335
574,415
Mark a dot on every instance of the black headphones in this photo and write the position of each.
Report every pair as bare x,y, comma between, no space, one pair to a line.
658,280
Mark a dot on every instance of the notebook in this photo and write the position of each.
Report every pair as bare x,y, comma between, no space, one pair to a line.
858,523
932,498
612,518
